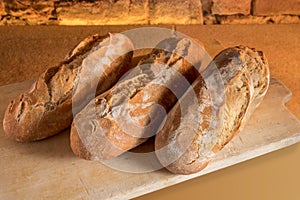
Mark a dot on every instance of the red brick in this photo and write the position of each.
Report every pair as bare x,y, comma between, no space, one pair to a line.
230,7
276,7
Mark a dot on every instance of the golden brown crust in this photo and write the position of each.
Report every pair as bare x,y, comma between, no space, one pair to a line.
177,144
46,108
77,146
128,113
254,73
104,146
245,75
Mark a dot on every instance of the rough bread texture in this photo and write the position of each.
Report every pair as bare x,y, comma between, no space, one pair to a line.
241,99
133,110
190,138
46,108
182,133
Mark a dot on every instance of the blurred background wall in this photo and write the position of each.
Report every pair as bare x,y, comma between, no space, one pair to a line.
119,12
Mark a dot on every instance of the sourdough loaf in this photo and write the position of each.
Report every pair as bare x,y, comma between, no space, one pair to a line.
190,137
92,67
132,110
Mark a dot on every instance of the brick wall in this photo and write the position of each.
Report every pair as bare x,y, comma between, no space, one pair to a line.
104,12
252,11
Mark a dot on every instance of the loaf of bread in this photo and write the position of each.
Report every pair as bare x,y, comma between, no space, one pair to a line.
91,68
192,135
133,109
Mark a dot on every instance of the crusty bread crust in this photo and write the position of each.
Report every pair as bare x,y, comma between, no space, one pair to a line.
176,145
46,108
245,75
129,113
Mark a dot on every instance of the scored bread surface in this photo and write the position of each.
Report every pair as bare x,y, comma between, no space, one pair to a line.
245,76
133,109
46,108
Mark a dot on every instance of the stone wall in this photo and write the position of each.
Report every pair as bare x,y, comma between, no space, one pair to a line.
120,12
